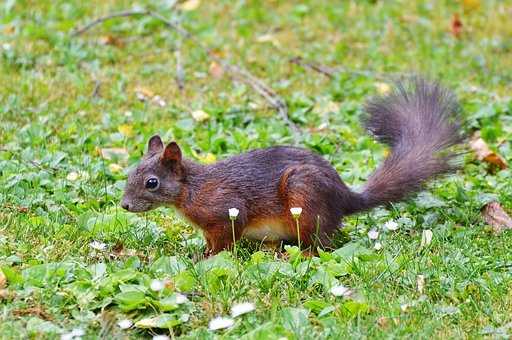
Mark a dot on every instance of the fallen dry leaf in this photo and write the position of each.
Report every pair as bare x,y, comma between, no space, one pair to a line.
190,5
483,153
120,154
126,130
3,279
200,116
383,322
216,70
111,40
470,5
494,215
456,26
33,311
382,88
143,94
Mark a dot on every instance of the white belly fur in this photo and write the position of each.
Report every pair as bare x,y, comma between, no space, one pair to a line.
268,230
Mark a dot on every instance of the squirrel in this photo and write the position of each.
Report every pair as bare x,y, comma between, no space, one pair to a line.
419,120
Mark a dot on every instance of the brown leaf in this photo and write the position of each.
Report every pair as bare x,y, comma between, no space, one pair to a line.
494,215
33,311
483,153
470,5
115,154
3,279
190,5
111,40
456,26
383,322
143,93
216,70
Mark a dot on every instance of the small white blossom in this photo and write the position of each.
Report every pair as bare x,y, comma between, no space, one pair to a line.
125,324
426,237
72,176
180,299
6,47
76,333
296,211
98,245
373,234
200,115
161,337
233,213
242,308
420,283
157,285
377,246
220,323
391,225
341,291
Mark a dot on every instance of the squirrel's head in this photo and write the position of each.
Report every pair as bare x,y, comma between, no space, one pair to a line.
157,179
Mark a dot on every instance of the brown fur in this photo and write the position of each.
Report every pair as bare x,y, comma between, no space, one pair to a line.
419,122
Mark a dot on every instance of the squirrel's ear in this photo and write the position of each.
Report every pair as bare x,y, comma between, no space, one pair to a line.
155,144
172,154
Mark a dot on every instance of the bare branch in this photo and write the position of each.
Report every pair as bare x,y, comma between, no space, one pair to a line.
238,73
97,21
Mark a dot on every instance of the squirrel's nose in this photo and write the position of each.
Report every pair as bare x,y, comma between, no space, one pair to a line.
125,205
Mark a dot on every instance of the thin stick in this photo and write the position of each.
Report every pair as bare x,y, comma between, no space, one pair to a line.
238,73
180,73
330,72
108,17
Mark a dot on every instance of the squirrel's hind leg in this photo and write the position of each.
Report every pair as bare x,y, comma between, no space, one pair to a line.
315,190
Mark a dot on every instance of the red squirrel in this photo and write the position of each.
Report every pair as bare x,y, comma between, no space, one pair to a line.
419,120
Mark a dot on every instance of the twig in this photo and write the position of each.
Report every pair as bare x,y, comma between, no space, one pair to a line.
330,72
180,72
326,71
238,73
96,90
108,17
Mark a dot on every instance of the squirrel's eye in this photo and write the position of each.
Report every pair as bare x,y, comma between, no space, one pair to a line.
152,184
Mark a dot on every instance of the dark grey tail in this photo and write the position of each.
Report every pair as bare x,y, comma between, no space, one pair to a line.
419,121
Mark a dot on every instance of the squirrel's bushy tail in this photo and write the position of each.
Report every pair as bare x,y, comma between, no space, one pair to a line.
419,121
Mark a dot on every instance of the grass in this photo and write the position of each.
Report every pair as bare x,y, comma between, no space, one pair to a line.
58,194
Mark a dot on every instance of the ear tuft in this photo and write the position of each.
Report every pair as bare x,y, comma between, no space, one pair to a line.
155,144
172,154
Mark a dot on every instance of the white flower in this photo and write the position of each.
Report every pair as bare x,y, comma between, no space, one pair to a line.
125,324
373,234
6,47
76,333
377,246
233,213
72,176
220,323
296,211
391,225
200,116
157,285
180,298
341,291
420,283
426,237
98,245
242,308
160,337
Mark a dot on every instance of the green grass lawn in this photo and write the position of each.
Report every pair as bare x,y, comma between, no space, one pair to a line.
72,125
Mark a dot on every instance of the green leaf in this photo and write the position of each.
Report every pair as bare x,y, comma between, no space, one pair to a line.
295,320
130,300
185,281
